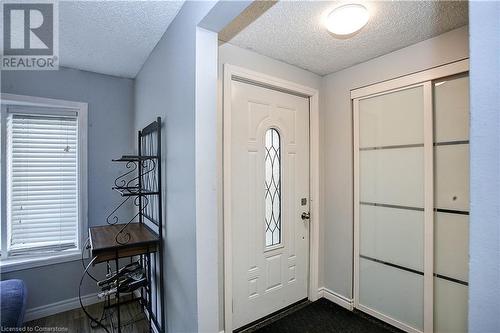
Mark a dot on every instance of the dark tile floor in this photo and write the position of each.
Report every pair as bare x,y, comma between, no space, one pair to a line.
323,316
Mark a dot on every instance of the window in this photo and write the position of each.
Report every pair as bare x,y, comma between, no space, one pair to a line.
272,187
42,180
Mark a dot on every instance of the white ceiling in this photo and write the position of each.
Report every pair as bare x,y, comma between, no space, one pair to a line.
292,32
112,37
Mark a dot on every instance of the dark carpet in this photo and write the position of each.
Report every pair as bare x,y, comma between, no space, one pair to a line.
325,316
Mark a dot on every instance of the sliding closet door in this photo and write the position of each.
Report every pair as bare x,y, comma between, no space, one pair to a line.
411,200
389,207
451,200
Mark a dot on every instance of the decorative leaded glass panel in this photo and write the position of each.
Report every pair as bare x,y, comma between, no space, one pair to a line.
273,187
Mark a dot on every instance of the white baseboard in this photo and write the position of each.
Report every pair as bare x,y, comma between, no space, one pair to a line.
58,307
336,298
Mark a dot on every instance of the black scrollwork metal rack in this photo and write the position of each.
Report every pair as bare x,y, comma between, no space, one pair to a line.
142,235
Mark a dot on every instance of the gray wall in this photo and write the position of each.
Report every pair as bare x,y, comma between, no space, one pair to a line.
336,117
238,56
484,276
110,114
165,87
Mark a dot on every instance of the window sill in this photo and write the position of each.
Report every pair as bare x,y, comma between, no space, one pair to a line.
26,262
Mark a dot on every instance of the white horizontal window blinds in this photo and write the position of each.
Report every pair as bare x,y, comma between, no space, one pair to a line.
42,183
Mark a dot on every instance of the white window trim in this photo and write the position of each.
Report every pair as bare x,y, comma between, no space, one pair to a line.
30,261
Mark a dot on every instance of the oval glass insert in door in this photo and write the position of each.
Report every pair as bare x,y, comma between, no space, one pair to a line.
391,206
272,187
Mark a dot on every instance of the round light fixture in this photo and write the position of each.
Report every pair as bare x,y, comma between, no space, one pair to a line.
347,19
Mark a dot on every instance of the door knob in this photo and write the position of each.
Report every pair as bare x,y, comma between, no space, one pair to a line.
305,216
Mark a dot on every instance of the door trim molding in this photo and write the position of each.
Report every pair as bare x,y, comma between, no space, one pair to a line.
402,82
260,79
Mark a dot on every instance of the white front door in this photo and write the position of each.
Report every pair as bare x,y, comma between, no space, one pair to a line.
269,193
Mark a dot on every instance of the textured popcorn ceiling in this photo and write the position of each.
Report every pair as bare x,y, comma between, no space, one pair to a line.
112,37
292,31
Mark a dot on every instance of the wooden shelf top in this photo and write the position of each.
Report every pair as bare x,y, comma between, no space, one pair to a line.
104,246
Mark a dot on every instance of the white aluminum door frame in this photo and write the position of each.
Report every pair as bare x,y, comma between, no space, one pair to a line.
424,79
260,79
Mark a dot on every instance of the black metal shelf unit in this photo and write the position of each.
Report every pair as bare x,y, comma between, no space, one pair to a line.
141,236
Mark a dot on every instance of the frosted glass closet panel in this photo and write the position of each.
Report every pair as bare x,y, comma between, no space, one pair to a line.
451,201
388,234
451,176
392,119
391,201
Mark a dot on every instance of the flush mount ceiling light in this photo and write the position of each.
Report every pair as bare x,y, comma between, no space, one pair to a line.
347,19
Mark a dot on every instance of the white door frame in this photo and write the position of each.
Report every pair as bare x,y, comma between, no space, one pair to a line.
423,79
231,71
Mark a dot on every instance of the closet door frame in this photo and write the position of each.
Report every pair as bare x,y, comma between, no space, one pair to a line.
424,79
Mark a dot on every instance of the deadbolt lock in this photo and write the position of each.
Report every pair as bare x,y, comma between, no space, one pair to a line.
305,216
